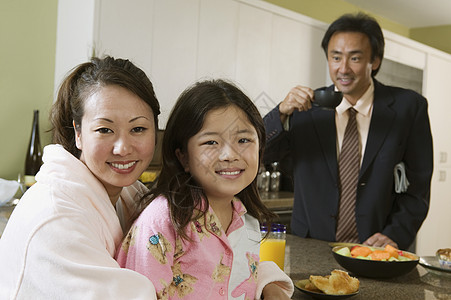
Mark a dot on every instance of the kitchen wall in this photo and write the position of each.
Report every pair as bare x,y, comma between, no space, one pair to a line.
329,10
27,65
438,37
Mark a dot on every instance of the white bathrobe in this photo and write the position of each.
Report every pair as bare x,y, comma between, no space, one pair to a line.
61,238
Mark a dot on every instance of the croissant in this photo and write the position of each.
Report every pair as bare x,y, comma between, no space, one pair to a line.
338,283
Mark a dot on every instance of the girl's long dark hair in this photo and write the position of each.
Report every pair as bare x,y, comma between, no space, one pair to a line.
184,194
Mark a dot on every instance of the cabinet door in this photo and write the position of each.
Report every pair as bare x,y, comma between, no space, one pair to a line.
253,49
124,30
276,53
74,36
437,90
174,45
296,58
218,33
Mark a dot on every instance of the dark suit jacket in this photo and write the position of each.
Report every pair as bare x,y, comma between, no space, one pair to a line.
399,132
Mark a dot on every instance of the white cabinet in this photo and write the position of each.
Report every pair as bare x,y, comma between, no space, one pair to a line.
116,34
404,51
266,50
218,36
74,35
292,62
253,49
174,56
437,90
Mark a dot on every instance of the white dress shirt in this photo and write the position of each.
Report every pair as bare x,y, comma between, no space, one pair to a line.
364,108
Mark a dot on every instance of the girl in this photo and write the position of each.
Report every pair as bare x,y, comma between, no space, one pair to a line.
62,236
198,235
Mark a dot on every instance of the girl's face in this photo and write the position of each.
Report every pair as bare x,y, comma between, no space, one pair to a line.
223,156
117,137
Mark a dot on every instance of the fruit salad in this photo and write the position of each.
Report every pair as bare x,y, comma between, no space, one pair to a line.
389,253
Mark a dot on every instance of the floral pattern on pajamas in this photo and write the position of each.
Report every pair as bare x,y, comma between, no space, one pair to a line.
200,268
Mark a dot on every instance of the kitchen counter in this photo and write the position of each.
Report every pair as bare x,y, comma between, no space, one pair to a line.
278,200
305,257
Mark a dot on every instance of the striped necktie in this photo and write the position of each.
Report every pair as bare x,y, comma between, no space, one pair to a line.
348,169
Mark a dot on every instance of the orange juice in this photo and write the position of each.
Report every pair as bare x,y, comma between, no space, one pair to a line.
273,250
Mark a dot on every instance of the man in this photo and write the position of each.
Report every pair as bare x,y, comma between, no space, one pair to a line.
393,136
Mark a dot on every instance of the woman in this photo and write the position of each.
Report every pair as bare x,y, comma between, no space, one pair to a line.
61,237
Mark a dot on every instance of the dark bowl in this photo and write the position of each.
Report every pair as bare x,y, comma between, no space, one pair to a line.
372,268
325,98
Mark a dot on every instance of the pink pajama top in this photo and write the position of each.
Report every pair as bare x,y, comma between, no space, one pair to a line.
215,265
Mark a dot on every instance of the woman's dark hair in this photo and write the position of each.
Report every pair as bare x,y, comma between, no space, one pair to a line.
184,194
86,79
362,23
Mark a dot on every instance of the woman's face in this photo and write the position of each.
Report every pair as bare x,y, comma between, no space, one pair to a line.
117,137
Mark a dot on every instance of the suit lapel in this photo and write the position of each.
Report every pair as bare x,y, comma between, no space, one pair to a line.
381,123
324,121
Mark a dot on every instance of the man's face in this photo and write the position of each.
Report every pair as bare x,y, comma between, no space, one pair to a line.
350,64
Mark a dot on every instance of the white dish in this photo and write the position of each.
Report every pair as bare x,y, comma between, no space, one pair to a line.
432,265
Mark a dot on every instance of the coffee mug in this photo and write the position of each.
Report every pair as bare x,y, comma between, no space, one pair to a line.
327,98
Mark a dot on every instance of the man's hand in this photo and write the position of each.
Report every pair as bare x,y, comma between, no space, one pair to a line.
379,240
274,292
299,98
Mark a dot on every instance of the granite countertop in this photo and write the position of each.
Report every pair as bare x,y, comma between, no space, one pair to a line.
305,257
278,200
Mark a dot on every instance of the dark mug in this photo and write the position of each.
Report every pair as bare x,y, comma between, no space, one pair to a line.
327,98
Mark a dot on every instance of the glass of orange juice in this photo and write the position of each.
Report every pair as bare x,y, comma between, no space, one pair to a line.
272,248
